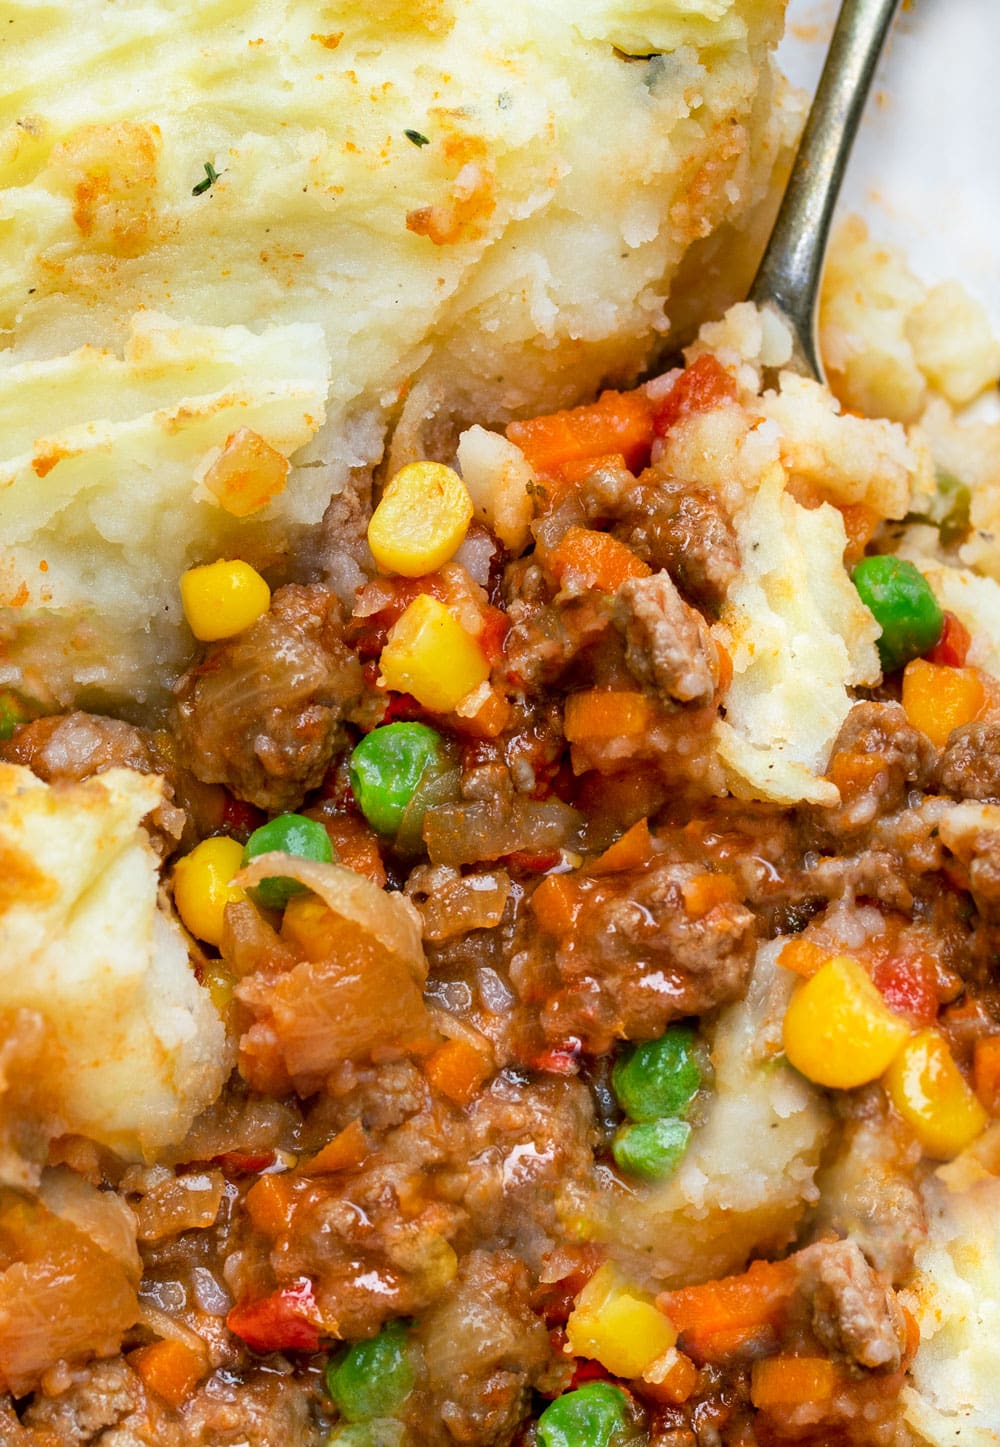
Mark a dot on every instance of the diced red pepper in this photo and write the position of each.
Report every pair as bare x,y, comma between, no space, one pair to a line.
495,626
699,388
952,647
524,862
287,1320
240,819
244,1163
562,1060
908,984
402,708
587,1371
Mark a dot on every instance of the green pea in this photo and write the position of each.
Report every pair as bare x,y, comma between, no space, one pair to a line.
954,503
386,768
659,1077
291,834
651,1150
595,1415
373,1378
380,1432
901,600
13,711
948,510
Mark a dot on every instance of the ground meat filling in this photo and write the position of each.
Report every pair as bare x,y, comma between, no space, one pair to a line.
263,713
668,647
642,952
671,524
526,1021
877,757
379,1239
71,747
970,764
485,1349
852,1311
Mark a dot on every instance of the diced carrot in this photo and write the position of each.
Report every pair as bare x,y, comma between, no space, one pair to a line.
605,714
912,1335
674,1382
699,388
578,469
860,522
986,1072
631,851
938,699
952,648
457,1070
803,957
618,422
586,558
556,903
705,891
170,1369
356,846
725,668
348,1150
490,718
558,484
717,1317
853,772
270,1203
786,1381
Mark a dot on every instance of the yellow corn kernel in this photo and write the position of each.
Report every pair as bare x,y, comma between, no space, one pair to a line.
423,516
429,655
838,1031
617,1325
247,473
203,887
931,1094
937,698
222,599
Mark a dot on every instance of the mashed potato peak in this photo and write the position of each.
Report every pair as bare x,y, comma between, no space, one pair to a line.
489,200
136,1048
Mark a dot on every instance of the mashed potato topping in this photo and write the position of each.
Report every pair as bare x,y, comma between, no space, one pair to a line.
798,636
135,1047
487,200
125,441
749,1172
955,1298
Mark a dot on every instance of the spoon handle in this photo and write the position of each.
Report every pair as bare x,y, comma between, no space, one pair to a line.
789,272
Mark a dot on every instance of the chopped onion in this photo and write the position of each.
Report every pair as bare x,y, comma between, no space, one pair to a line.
454,1029
172,1204
492,828
101,1215
62,1297
210,1293
390,919
168,1328
451,903
362,996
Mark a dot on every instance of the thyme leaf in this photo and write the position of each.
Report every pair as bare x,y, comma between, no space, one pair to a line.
211,176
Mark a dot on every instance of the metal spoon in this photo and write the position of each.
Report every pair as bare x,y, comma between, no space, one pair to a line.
789,273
